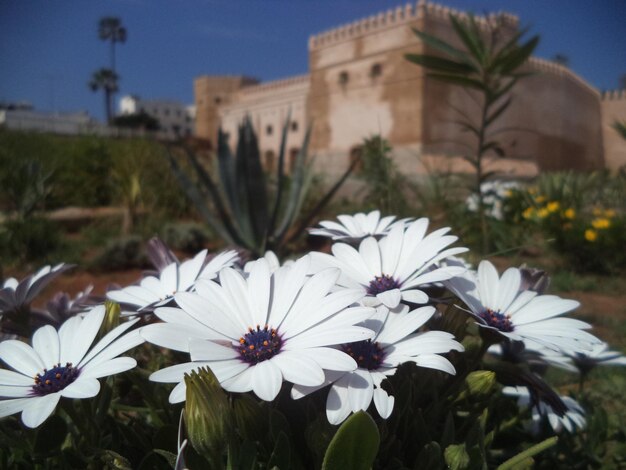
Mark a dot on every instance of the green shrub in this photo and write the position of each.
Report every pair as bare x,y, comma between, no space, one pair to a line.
189,237
121,253
31,239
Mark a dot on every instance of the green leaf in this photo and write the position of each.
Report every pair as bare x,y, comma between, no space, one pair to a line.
167,455
518,56
281,455
523,457
51,435
470,37
251,185
493,116
458,80
198,199
297,190
355,445
226,166
442,46
429,457
280,177
306,221
449,431
440,64
456,457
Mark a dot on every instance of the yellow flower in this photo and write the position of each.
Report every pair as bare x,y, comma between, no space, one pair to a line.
591,235
570,214
543,213
553,206
600,223
508,193
610,213
528,213
539,199
532,190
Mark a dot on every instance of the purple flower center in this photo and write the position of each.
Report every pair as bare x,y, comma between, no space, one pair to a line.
55,379
382,284
497,320
367,355
259,345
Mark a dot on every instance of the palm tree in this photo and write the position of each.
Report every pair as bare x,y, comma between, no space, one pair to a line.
110,29
105,80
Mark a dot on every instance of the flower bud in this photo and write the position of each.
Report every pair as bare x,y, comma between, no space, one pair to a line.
207,414
480,382
112,311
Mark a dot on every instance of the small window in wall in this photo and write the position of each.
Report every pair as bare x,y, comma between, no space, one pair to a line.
344,78
217,100
270,161
294,126
376,71
269,130
356,154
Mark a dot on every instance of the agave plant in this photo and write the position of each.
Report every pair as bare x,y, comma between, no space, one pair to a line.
244,211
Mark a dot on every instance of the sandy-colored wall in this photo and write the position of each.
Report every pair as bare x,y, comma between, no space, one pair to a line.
269,105
553,122
210,94
613,109
388,104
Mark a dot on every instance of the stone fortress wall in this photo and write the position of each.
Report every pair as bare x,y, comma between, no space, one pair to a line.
613,109
359,84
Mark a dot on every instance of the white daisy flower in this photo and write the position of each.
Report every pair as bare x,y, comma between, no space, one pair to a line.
574,417
60,364
15,294
539,357
271,259
599,355
357,226
256,331
500,305
396,342
392,269
156,291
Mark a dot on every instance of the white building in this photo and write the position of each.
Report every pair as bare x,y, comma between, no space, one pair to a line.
175,119
25,119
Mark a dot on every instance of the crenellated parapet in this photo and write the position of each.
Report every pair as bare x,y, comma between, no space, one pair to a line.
277,85
401,15
552,68
613,95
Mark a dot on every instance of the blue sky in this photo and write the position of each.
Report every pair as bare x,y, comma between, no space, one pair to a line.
49,49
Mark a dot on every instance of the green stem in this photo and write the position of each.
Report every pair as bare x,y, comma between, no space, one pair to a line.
528,453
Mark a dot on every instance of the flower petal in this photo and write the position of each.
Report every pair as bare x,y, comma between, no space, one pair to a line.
266,380
298,368
391,298
39,408
9,407
8,377
46,344
83,387
21,357
384,403
114,366
15,391
361,390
